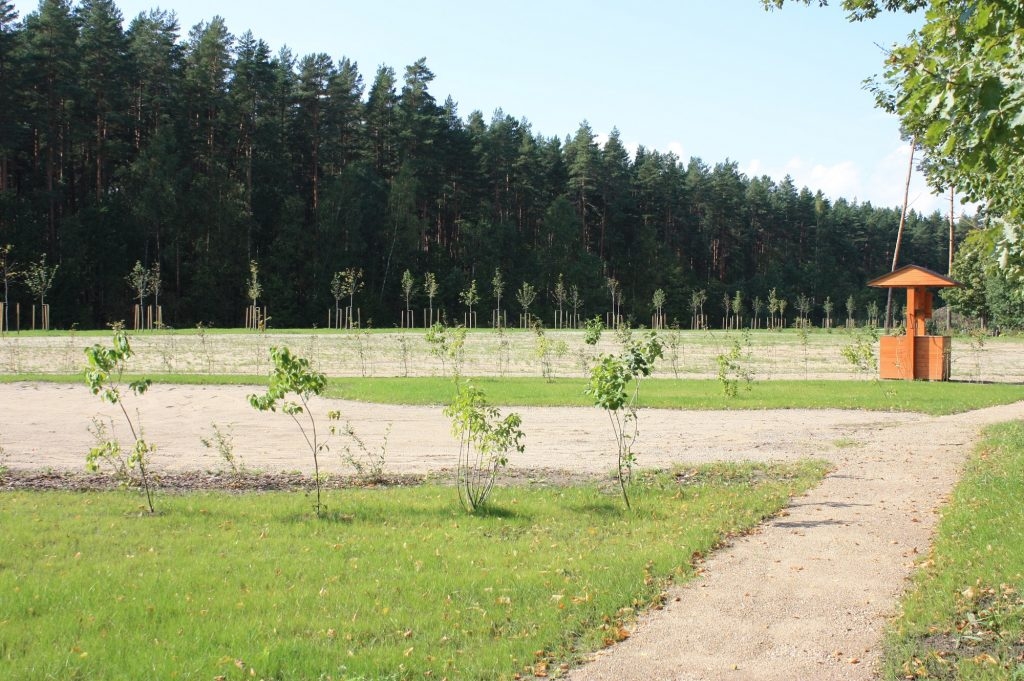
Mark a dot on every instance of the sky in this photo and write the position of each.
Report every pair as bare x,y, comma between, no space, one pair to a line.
778,92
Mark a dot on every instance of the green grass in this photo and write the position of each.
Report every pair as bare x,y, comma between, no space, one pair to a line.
965,617
394,583
917,396
935,398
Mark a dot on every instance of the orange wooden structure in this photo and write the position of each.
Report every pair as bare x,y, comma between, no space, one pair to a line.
915,355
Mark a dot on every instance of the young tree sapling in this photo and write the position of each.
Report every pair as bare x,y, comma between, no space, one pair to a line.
408,285
39,278
292,375
103,374
609,387
485,440
470,297
497,288
430,288
525,297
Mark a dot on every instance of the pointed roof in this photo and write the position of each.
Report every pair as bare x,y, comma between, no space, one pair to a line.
910,276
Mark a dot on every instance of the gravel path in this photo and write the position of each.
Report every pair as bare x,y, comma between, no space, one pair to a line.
805,597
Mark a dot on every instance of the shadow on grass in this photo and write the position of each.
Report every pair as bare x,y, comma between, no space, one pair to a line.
603,508
327,515
495,511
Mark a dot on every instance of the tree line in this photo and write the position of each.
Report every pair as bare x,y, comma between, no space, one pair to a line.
193,156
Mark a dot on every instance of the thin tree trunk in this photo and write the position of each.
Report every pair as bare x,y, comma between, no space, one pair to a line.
949,271
952,226
100,136
899,231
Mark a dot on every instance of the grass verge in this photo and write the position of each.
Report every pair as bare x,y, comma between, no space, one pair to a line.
935,398
964,618
393,584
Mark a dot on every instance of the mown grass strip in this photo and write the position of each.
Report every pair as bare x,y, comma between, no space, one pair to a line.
964,619
917,396
933,398
394,583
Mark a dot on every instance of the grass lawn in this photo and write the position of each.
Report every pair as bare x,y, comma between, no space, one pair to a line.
935,398
393,583
965,617
918,396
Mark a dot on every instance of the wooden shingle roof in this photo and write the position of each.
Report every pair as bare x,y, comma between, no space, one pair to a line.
910,276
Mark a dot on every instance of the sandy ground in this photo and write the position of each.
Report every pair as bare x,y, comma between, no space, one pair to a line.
805,597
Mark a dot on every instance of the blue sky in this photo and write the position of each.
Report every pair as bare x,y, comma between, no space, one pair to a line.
778,92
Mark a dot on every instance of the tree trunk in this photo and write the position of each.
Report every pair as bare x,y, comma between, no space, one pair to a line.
899,231
949,270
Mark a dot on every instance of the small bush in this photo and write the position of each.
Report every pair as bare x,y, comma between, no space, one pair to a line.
485,440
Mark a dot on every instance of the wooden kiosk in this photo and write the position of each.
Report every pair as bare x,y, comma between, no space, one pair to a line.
915,355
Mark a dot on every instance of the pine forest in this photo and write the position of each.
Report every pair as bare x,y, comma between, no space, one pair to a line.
214,160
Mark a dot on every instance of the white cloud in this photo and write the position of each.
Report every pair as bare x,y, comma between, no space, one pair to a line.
839,179
881,183
601,138
887,182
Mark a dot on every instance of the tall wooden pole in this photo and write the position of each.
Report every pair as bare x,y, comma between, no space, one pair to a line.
899,231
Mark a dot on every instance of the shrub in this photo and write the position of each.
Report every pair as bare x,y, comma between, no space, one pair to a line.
447,344
592,329
731,369
485,440
860,352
